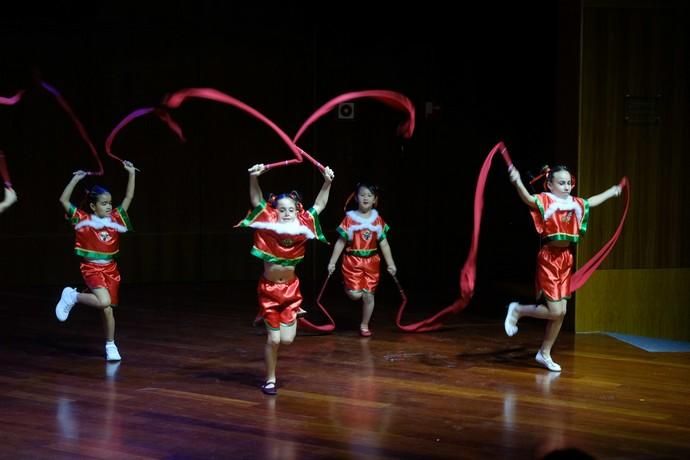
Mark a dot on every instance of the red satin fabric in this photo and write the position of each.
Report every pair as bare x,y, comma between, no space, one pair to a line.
278,302
554,266
361,273
102,276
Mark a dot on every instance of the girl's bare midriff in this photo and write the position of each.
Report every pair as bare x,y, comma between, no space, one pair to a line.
278,273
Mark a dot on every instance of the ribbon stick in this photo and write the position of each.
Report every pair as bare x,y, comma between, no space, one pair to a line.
80,127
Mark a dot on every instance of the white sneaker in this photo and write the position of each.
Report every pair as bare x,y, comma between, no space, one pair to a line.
547,362
111,353
510,323
67,300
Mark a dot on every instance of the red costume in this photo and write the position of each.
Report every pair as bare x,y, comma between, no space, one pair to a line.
361,262
281,243
557,219
98,242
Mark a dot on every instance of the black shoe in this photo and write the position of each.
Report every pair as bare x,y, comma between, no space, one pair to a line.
269,388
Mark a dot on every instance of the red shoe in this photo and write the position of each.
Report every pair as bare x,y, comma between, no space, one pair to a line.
365,332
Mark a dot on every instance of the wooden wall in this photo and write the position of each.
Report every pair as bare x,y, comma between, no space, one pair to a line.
635,116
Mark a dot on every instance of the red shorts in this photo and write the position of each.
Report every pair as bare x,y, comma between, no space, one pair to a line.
102,276
361,273
278,302
554,265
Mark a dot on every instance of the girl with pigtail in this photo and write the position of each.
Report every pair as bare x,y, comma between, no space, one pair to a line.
282,229
560,220
97,243
362,234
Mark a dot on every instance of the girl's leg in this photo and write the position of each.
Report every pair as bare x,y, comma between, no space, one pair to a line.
271,353
108,316
288,333
553,327
98,298
517,311
354,295
553,313
109,324
368,302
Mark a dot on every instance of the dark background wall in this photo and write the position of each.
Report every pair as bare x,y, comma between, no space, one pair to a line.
494,72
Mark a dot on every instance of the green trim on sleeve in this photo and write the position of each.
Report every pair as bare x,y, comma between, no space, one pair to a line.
342,234
539,205
72,215
384,234
585,218
317,225
125,218
251,217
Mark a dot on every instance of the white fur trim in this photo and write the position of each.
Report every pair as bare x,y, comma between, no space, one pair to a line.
363,223
286,228
100,222
563,204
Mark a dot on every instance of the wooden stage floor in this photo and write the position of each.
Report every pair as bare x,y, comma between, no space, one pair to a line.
188,387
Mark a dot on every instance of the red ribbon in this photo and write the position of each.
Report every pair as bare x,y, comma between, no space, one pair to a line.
162,114
330,326
4,171
390,98
469,270
581,276
12,99
80,127
393,99
468,273
177,99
